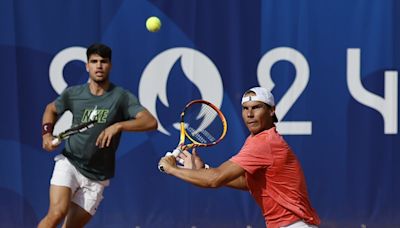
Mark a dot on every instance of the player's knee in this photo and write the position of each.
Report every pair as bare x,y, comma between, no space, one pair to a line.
57,214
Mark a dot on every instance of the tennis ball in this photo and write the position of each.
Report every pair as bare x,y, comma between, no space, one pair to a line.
153,24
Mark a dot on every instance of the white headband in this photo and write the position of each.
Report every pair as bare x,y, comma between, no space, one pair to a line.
254,98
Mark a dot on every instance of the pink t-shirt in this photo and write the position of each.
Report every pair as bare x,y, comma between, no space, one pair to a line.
275,179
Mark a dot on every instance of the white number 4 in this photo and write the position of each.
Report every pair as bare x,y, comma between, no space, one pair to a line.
386,106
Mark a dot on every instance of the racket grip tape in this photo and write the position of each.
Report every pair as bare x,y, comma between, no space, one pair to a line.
56,141
176,152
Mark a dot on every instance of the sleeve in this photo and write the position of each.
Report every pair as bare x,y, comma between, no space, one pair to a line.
255,154
131,106
62,102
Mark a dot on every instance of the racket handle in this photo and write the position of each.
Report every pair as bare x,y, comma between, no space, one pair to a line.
56,141
168,154
174,153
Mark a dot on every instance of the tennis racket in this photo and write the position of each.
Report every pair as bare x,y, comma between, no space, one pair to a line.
77,129
202,124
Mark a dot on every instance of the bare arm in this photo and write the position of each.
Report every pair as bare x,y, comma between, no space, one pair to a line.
238,183
193,161
49,116
225,175
144,121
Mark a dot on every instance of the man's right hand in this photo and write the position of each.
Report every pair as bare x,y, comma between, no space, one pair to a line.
47,142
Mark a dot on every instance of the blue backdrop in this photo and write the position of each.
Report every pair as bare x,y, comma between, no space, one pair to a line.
332,65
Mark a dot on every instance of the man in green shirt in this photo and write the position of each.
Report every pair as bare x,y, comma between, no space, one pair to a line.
87,162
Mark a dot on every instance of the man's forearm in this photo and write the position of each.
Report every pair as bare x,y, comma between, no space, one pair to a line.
228,174
206,178
144,121
50,114
238,183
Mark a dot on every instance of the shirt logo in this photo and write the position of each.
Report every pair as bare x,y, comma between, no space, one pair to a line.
101,115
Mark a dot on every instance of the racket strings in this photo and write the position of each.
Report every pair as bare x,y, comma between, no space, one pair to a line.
203,124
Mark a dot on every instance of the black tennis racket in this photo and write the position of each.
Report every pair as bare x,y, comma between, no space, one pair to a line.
76,129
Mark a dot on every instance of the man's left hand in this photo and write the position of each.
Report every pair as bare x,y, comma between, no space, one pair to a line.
105,137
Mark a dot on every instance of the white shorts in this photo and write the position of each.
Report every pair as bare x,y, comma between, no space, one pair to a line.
86,193
300,224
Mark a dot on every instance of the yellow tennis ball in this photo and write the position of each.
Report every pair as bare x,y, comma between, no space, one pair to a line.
153,24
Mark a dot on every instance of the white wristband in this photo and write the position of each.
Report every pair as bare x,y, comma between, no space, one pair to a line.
206,166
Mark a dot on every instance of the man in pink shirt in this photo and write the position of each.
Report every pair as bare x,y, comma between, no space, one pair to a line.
266,166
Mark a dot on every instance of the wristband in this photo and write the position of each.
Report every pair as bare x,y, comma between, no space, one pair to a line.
47,128
206,166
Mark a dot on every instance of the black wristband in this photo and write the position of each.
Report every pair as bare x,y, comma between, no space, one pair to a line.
47,128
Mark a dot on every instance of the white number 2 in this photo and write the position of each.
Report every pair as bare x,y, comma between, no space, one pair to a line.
289,98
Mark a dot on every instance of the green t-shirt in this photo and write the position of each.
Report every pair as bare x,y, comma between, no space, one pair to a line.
113,106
